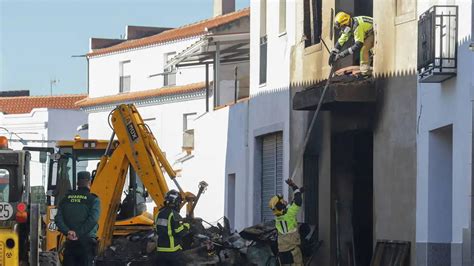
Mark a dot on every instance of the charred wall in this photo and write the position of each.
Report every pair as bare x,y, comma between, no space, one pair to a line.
395,160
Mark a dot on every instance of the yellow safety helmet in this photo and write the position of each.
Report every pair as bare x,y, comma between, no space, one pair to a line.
278,205
342,19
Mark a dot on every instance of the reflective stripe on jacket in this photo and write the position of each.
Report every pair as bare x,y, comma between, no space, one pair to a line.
170,230
361,27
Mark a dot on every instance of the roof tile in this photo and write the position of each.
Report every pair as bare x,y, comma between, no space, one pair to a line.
186,31
140,95
22,105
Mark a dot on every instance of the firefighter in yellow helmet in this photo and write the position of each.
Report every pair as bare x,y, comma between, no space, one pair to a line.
361,28
289,242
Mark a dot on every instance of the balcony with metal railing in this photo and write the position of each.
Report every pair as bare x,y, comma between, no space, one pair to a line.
438,44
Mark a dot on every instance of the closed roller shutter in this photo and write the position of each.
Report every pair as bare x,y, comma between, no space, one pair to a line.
272,171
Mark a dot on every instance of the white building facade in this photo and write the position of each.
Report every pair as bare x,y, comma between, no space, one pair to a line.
444,231
175,102
41,126
265,117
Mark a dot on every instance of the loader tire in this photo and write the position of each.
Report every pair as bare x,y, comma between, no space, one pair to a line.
48,259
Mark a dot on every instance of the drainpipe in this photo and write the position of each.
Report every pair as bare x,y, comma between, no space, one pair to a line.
235,84
471,46
207,87
217,68
87,74
87,58
471,233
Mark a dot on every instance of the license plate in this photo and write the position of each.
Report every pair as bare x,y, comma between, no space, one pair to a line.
6,211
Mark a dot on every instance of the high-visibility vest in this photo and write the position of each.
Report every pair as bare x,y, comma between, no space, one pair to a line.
287,222
360,28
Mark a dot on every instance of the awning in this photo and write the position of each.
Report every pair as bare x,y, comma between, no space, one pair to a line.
233,47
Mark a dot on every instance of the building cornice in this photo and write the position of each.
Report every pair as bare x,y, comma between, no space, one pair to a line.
158,100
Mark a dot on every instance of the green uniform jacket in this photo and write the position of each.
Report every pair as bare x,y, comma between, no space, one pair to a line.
79,211
360,28
170,230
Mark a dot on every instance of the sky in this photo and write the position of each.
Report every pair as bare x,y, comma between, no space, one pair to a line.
39,37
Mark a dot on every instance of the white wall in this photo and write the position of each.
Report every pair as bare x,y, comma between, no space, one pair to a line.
269,105
208,164
165,120
39,125
166,123
62,124
31,126
210,158
221,149
439,105
237,162
226,89
278,49
104,70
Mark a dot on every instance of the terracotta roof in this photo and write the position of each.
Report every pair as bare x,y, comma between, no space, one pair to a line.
141,95
22,105
195,29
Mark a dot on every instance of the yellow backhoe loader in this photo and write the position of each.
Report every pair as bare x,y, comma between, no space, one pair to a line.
132,154
138,148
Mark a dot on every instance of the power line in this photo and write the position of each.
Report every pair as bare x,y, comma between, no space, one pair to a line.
24,141
34,140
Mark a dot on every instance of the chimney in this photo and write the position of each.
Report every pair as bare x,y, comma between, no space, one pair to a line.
222,7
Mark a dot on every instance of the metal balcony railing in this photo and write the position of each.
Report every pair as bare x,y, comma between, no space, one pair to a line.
438,44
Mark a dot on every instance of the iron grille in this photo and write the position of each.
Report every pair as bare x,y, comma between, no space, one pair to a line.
391,253
438,44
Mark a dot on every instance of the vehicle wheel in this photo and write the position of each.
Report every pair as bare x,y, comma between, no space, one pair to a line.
48,259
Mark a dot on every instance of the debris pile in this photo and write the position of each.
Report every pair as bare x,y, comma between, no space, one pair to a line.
211,245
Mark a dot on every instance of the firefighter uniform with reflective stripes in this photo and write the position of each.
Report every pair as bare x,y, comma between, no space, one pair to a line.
361,28
170,230
288,234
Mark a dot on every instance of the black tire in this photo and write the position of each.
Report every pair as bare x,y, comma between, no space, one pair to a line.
48,259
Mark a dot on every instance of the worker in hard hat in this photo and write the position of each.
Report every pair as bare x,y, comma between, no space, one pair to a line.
170,229
289,241
361,28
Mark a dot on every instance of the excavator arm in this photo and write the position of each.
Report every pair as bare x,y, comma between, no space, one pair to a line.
138,148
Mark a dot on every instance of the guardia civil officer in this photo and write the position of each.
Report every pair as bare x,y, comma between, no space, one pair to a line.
77,217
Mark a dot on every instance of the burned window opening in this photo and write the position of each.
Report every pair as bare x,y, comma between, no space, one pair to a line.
312,22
